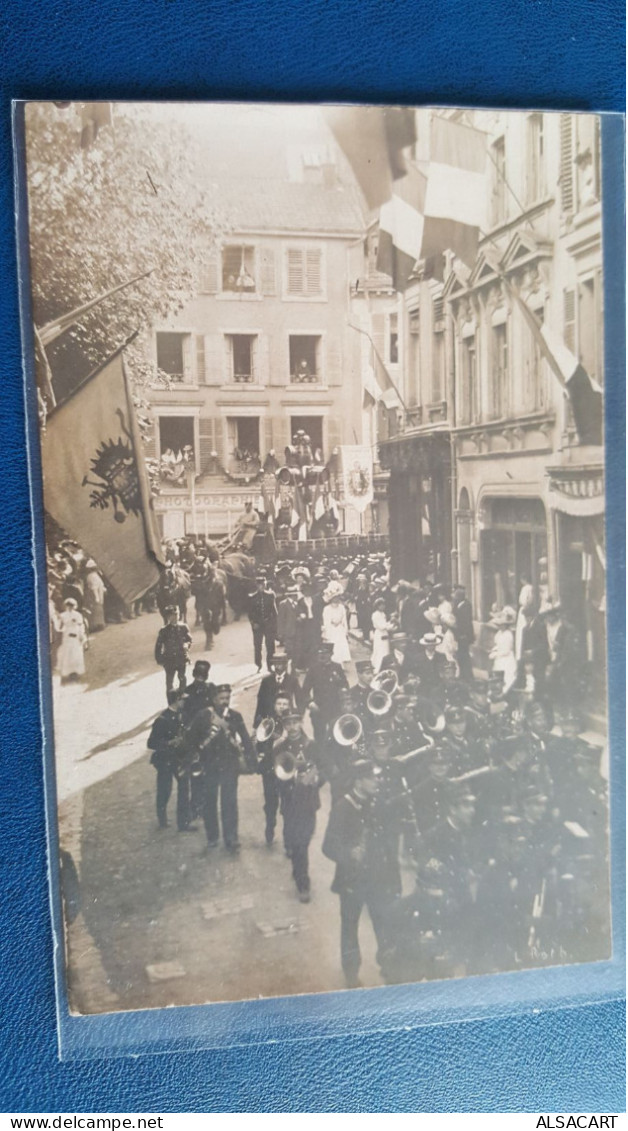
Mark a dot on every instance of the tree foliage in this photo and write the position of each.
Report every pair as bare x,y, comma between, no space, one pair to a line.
138,198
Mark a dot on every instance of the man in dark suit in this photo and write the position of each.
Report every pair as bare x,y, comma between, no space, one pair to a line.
172,647
287,620
219,737
262,611
165,741
278,680
430,665
321,691
464,631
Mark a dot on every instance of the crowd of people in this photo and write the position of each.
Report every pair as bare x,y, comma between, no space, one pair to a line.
467,815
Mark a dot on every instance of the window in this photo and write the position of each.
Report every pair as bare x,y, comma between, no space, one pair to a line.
469,379
566,163
438,366
238,269
534,374
536,158
305,367
587,160
590,338
174,356
241,357
569,319
243,445
177,448
304,272
513,551
499,203
393,340
498,372
438,349
312,426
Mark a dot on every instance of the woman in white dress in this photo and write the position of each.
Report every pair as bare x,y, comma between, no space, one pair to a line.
71,653
381,634
336,629
502,653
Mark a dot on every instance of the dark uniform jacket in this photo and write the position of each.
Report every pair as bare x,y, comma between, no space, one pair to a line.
262,610
221,747
268,689
166,739
323,683
173,642
464,630
300,800
198,696
430,672
362,839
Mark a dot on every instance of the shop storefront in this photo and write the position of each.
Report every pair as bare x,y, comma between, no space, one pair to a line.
419,506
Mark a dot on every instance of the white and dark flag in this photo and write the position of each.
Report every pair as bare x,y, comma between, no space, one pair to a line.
95,483
455,197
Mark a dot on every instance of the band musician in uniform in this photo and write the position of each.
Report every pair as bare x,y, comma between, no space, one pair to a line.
224,746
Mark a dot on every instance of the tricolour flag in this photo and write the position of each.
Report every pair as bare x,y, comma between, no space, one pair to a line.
373,139
401,224
95,483
584,394
455,198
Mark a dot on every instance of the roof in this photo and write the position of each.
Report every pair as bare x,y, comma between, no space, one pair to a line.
281,205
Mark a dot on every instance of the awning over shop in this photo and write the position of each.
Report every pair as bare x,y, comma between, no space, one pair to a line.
577,491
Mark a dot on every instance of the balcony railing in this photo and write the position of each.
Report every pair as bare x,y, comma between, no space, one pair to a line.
299,378
243,378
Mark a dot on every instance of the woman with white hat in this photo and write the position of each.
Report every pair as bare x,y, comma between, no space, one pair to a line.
502,653
71,657
94,597
381,633
336,628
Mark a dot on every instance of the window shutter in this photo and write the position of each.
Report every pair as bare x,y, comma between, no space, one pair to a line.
228,362
331,368
569,319
566,163
279,362
295,271
334,435
267,271
214,359
313,272
268,434
150,442
281,434
200,359
186,345
261,359
206,439
208,274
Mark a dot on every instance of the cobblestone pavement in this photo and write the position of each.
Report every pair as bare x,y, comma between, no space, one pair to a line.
162,923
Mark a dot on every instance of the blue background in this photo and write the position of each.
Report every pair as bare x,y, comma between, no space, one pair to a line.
541,53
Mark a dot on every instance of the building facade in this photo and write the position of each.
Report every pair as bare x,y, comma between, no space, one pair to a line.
263,350
489,439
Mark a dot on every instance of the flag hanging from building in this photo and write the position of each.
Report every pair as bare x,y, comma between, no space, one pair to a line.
373,139
401,223
357,475
455,196
584,394
95,483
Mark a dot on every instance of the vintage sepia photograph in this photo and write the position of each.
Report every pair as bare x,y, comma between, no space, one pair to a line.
321,420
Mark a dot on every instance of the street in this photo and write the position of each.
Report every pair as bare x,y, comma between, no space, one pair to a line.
162,923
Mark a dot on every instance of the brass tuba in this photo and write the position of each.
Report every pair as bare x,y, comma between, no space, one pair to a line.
266,729
347,730
379,703
285,766
387,681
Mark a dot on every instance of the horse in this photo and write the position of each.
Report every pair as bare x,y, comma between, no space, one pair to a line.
239,571
174,589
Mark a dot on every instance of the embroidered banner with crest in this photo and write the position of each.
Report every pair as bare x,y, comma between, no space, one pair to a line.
357,475
95,483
